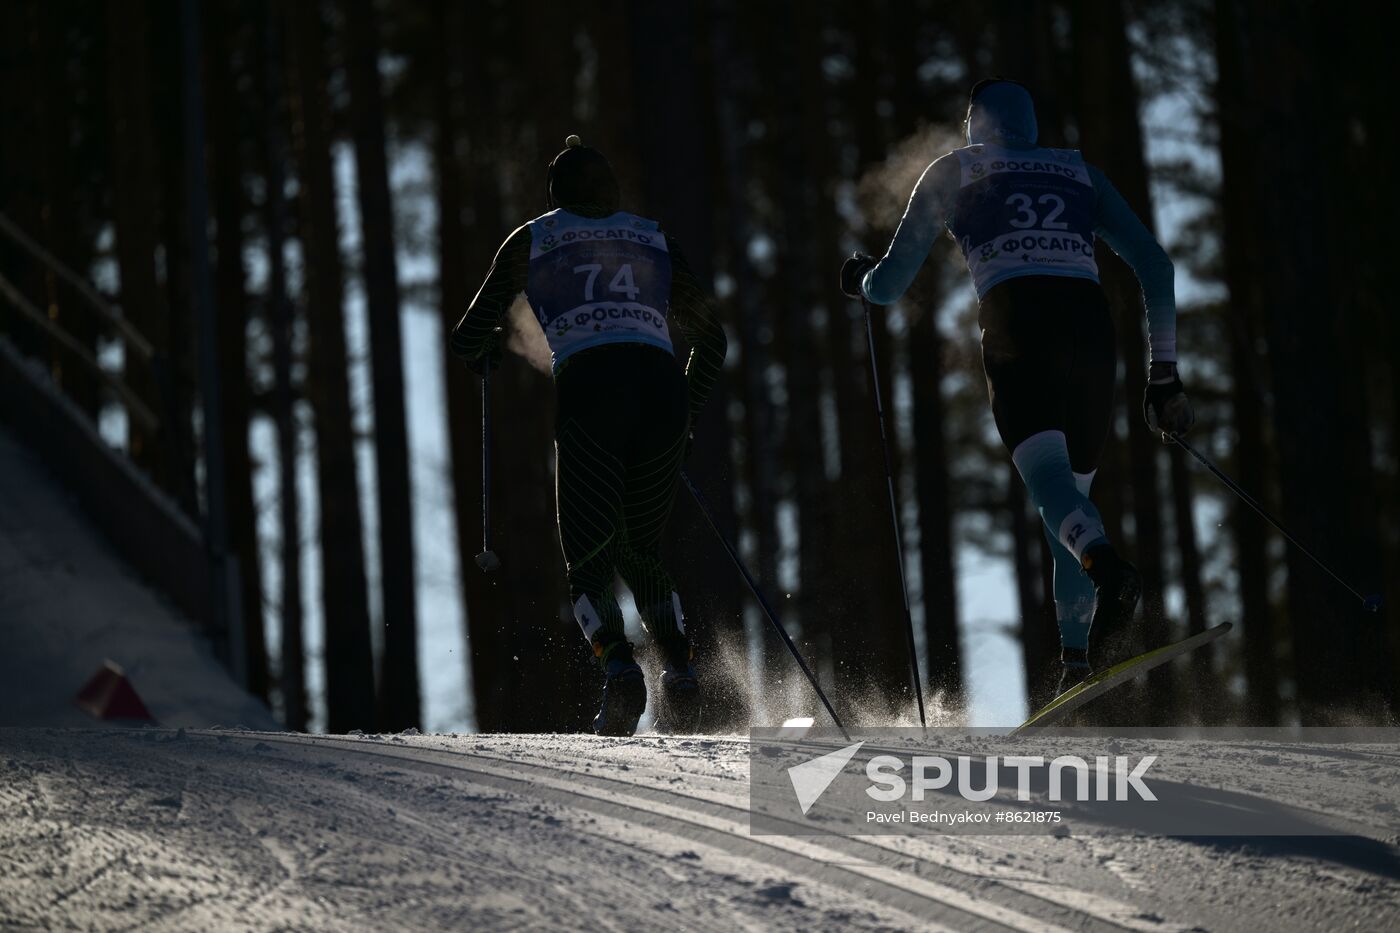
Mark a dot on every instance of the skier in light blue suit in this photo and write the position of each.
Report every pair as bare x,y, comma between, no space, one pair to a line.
1026,218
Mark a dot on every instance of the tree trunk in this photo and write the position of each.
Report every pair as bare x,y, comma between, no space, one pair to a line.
399,705
873,652
1353,305
936,515
1111,136
673,153
229,208
1373,193
542,648
175,370
488,625
1248,383
279,317
755,346
349,661
134,188
62,233
813,439
737,79
804,150
937,561
22,57
1336,649
1203,696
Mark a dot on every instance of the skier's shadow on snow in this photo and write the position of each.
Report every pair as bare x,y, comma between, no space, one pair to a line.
1240,823
1222,819
1356,852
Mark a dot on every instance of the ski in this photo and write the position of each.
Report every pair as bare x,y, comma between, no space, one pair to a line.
1096,685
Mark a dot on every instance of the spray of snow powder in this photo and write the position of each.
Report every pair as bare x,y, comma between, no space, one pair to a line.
785,694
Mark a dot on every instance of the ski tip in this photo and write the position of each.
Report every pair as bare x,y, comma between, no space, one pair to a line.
1101,681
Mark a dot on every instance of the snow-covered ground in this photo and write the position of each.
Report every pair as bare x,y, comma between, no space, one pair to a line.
157,829
68,602
228,829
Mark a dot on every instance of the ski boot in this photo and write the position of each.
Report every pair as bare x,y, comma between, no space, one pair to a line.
680,690
1074,667
624,692
1117,586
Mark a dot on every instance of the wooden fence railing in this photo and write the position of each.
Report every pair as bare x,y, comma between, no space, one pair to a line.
159,540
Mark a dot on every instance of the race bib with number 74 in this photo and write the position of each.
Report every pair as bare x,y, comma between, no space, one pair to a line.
598,280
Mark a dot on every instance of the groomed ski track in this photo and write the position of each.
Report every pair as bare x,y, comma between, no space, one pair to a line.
156,829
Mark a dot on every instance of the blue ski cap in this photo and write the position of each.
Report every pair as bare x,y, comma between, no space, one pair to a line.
1001,111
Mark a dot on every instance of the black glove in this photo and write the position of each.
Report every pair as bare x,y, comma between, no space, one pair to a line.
489,360
1164,404
853,271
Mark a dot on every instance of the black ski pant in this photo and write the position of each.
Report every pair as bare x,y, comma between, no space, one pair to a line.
1049,355
620,437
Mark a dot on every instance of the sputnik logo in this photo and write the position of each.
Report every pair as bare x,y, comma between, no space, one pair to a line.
811,778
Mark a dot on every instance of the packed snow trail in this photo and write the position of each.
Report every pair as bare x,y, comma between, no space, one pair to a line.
233,830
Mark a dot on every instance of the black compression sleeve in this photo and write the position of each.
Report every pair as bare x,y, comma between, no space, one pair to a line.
476,331
697,320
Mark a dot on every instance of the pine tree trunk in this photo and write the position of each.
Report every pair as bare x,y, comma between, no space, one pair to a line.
229,207
1111,136
936,515
175,370
130,95
1367,53
399,704
677,134
1336,648
804,151
462,249
62,233
349,662
822,561
1353,303
926,348
875,654
463,254
21,56
540,628
1248,385
1203,695
279,317
756,314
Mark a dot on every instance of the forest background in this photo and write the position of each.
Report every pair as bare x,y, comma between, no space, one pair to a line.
362,161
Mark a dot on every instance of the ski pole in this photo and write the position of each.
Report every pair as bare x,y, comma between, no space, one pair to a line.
894,512
762,603
487,559
1370,603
